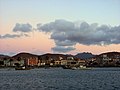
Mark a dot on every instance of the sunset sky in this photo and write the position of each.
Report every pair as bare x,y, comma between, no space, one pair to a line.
59,26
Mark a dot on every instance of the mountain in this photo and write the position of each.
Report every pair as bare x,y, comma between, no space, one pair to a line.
84,55
3,56
110,54
52,56
24,55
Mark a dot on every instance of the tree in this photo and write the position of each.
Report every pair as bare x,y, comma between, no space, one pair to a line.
17,64
1,63
11,61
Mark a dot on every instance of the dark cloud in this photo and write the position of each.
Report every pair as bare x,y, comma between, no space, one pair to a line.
66,33
59,30
57,26
22,27
64,43
12,36
61,49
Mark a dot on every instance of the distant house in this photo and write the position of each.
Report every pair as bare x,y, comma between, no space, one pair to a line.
92,61
70,61
17,62
57,62
81,62
7,61
64,62
32,61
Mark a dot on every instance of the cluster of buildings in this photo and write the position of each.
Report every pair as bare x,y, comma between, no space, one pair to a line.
27,59
110,59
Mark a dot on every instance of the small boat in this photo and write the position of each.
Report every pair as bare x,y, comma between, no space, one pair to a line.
22,68
66,67
74,68
81,68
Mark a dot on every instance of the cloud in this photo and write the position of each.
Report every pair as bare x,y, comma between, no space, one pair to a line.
22,27
59,30
66,33
64,43
61,49
12,36
58,25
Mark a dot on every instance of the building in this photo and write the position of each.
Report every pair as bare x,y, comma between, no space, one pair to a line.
32,61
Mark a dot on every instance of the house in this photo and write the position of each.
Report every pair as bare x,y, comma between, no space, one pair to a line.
70,61
64,62
57,62
81,62
32,61
7,61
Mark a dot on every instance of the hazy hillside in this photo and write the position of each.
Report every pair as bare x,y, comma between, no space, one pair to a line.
24,55
84,55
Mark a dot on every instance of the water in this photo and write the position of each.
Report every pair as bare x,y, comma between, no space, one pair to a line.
60,79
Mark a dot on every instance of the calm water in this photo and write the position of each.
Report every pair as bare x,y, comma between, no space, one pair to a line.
60,79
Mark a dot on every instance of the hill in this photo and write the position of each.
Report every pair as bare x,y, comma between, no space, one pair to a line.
24,55
84,55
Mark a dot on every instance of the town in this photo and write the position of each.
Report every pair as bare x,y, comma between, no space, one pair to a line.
109,59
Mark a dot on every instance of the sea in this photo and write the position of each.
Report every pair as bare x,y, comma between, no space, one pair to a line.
60,79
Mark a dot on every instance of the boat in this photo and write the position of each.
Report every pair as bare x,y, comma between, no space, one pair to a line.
81,68
66,67
22,68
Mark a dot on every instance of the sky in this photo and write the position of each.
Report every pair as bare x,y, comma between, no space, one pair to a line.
59,26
